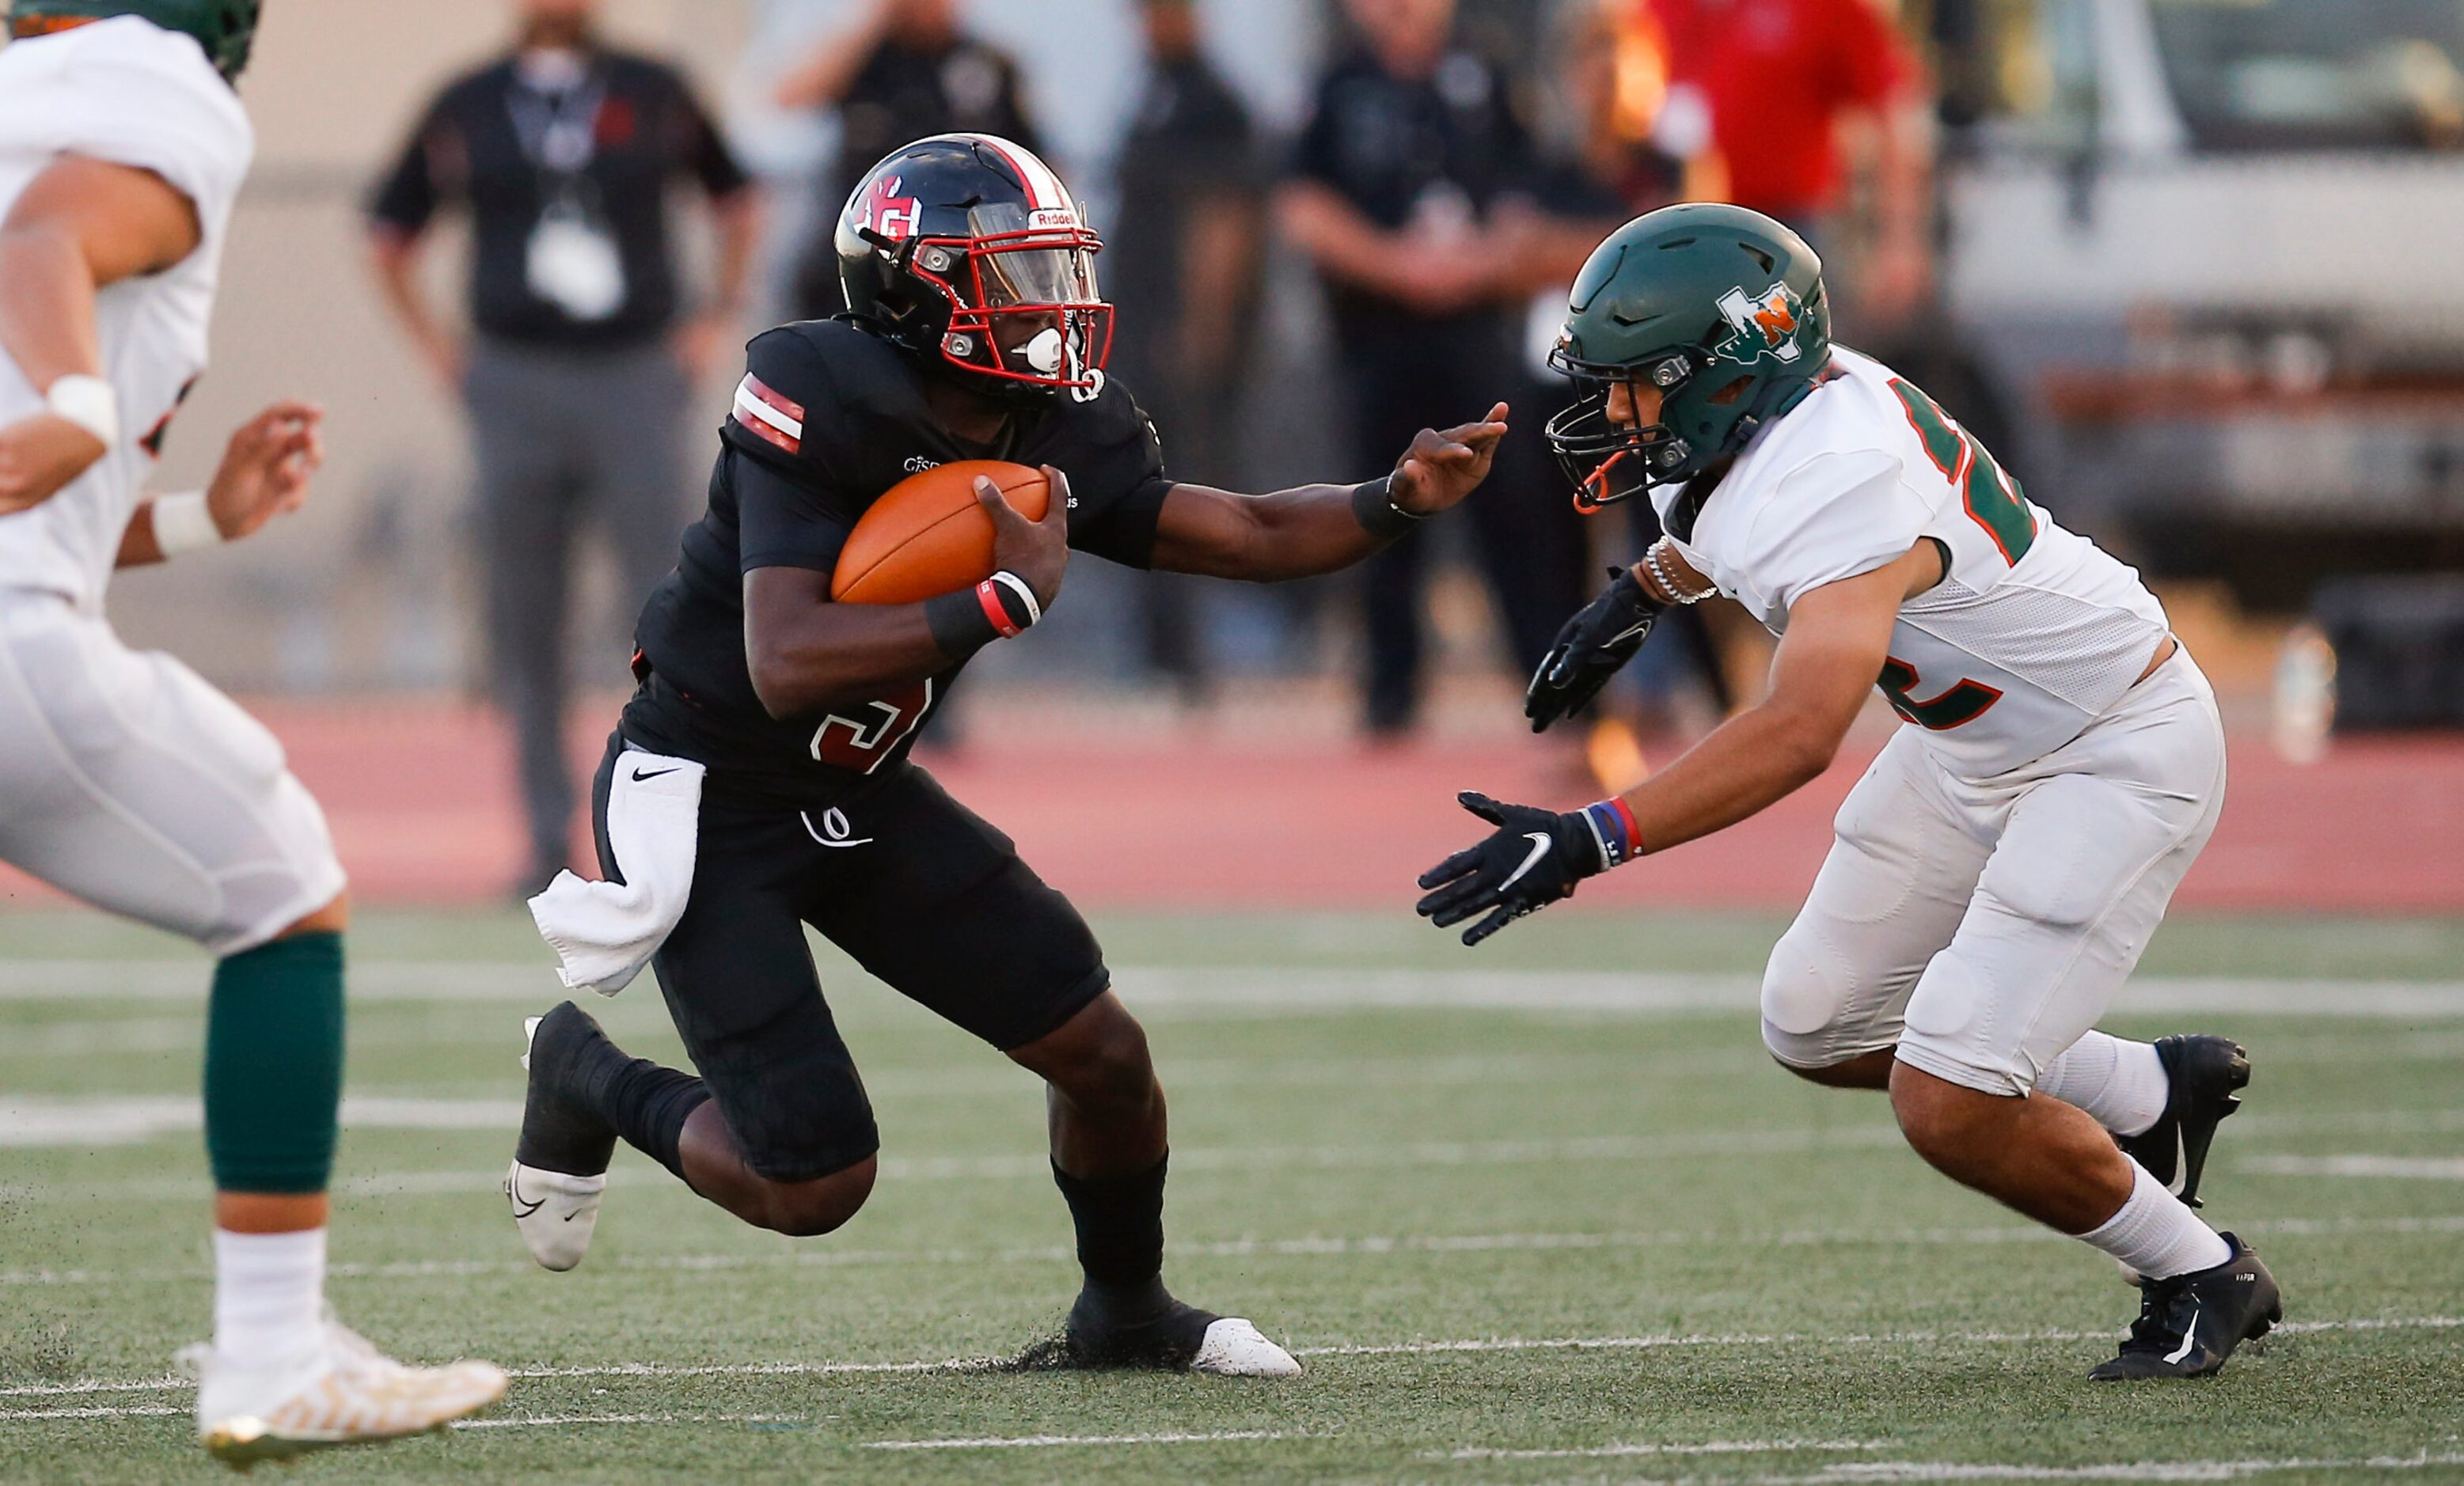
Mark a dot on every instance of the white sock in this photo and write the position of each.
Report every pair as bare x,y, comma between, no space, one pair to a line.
2121,1084
269,1295
2156,1235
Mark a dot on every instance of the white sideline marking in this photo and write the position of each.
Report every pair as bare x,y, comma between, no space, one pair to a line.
1716,1447
1282,989
1849,1472
1370,1246
1050,1441
2424,1169
166,1384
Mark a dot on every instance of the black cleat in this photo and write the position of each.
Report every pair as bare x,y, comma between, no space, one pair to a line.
1153,1330
2188,1324
2206,1074
560,1131
1168,1339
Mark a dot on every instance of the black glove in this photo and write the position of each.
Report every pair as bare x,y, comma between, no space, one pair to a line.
1595,645
1534,858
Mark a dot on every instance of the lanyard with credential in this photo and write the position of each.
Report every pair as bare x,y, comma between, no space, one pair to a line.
558,133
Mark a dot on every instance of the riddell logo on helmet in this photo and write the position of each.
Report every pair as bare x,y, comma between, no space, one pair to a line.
885,212
1765,325
1044,218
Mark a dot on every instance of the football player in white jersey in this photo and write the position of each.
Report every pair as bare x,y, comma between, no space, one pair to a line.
125,780
2001,865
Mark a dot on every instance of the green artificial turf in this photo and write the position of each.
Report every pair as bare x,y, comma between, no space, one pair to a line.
1618,1231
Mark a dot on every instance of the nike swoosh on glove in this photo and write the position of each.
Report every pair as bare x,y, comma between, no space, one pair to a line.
1593,645
1533,859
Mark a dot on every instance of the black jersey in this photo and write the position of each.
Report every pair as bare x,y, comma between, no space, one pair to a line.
829,417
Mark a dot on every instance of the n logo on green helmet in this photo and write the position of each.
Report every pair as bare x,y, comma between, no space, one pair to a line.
1766,324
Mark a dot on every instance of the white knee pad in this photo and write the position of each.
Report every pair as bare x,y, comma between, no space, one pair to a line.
1812,1016
1959,1031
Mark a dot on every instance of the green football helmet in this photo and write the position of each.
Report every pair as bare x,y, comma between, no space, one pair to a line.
1721,309
224,27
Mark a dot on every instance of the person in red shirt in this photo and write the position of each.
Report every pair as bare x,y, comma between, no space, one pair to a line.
1758,92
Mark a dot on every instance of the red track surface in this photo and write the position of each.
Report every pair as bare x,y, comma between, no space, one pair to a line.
423,807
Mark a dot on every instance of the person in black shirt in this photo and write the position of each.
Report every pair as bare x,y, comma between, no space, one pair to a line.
584,352
975,332
1402,190
904,71
1189,239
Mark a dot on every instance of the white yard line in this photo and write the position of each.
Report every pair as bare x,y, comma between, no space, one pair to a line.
166,1384
1371,1246
77,1124
1052,1441
1846,1473
2419,1168
36,1121
1716,1447
1281,989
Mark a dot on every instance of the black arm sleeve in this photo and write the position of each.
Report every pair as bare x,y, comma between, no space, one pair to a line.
791,485
408,196
701,149
783,521
1115,462
1312,156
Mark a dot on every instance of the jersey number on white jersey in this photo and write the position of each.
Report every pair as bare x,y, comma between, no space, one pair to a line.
1994,502
1993,497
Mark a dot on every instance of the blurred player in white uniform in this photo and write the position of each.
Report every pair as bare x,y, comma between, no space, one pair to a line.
125,780
2003,862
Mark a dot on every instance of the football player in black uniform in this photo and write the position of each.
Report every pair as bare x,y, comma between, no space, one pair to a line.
975,331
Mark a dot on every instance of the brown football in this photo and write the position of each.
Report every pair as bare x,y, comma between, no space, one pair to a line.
927,536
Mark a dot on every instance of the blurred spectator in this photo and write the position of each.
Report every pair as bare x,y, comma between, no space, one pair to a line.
578,373
1610,59
1759,92
1399,193
903,72
1182,261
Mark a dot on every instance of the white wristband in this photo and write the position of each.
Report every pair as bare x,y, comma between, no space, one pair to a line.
89,402
184,523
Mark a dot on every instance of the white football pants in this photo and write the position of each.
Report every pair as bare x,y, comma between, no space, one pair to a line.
128,781
1981,926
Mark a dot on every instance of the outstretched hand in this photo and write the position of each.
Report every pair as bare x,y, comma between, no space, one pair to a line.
1592,647
1443,466
1533,859
266,467
1036,550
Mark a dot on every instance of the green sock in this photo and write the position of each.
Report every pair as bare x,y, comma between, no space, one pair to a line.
274,1065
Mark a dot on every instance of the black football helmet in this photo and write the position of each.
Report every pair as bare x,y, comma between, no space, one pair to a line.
969,253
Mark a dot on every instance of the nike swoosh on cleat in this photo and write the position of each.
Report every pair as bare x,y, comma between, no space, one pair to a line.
514,1190
1540,845
2190,1336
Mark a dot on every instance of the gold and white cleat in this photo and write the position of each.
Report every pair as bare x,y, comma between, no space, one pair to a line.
343,1392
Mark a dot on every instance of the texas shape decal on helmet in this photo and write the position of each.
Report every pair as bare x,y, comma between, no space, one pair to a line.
1766,325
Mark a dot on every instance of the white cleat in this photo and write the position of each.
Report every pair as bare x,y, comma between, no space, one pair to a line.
342,1391
555,1212
1234,1348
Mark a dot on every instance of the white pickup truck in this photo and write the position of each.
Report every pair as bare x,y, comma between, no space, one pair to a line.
2212,254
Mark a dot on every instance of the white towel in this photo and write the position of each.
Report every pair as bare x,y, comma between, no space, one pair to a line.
605,932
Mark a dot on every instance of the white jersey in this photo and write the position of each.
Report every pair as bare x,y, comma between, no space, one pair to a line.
2033,631
125,91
